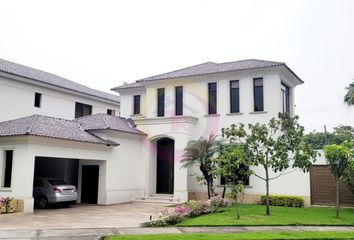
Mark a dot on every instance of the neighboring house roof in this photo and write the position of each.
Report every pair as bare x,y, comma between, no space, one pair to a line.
44,126
128,86
209,68
48,78
102,121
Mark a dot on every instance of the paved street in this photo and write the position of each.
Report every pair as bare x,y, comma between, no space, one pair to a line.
96,233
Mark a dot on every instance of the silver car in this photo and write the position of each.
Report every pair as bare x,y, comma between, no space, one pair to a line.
52,190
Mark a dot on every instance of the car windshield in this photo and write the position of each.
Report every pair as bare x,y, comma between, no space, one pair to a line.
57,182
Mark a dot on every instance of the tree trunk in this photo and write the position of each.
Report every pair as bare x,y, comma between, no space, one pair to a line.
211,186
224,191
267,192
237,208
208,188
337,197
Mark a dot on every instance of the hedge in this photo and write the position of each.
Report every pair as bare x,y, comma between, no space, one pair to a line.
283,200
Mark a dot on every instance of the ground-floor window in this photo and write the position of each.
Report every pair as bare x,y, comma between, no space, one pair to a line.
7,169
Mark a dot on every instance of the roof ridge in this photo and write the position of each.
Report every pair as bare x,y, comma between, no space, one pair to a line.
250,59
29,130
141,80
104,120
108,142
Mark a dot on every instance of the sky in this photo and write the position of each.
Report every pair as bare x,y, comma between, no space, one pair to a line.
102,44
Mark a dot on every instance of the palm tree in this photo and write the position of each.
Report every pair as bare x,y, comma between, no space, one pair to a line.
349,97
202,153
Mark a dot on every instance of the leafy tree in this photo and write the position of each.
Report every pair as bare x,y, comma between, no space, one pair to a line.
345,133
234,167
340,134
349,96
202,152
276,146
339,158
348,177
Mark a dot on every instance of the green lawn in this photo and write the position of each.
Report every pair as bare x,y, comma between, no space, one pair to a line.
237,236
253,215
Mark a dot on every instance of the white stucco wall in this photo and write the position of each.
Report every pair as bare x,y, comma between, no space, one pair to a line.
17,100
121,173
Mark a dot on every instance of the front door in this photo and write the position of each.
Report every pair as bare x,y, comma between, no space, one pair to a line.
165,166
89,184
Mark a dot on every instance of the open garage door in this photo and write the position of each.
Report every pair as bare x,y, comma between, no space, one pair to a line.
61,168
323,188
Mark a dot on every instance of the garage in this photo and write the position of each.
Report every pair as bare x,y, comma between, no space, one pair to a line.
323,188
85,178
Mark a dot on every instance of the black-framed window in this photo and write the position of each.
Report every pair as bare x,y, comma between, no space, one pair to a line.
160,102
111,112
212,98
258,94
37,99
7,171
234,96
179,100
285,95
82,109
136,104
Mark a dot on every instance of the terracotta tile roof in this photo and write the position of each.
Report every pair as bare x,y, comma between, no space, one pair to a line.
48,78
211,67
44,126
128,86
104,121
208,68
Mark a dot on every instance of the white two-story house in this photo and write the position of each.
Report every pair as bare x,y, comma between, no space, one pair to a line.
53,127
176,107
117,149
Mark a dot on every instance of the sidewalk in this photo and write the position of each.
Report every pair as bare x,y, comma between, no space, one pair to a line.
96,233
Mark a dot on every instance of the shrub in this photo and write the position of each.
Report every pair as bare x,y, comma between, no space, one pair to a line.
283,200
5,204
218,201
166,218
189,209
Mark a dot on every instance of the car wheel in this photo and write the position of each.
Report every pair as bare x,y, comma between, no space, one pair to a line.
42,202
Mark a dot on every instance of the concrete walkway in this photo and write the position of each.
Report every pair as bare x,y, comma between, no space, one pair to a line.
82,216
96,233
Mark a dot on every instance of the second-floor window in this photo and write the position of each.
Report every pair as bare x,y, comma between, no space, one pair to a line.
258,94
37,99
285,95
111,112
160,102
7,169
136,103
234,96
82,109
212,98
179,101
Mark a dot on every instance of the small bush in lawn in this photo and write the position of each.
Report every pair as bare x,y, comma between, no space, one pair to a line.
283,200
217,202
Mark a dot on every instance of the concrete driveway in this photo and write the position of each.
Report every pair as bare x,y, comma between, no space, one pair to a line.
82,216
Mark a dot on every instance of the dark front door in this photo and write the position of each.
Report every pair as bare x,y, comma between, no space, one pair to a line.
89,184
165,166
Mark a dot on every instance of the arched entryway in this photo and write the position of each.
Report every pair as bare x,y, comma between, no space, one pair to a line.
165,149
